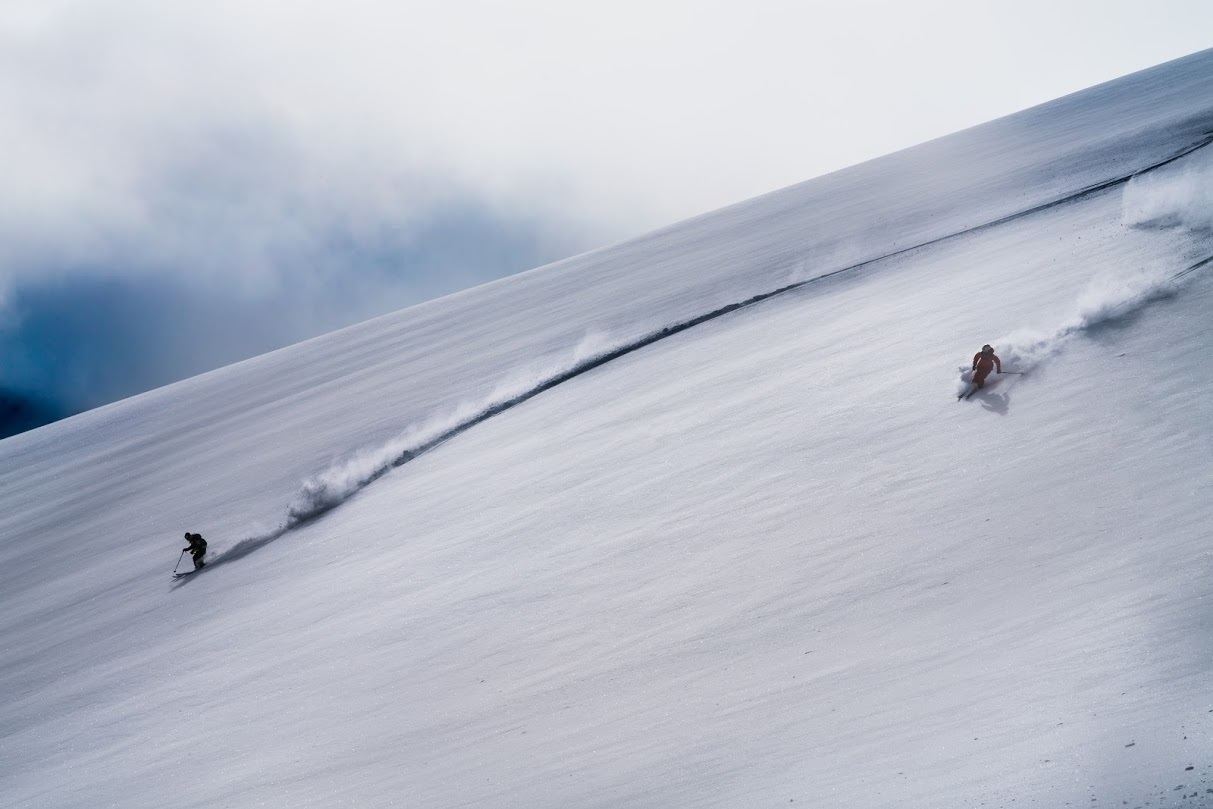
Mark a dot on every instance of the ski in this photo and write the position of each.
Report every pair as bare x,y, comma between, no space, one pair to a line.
965,395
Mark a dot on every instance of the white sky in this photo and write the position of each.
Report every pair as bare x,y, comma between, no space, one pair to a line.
637,112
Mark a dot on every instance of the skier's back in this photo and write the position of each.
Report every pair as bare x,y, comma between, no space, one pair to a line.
985,361
197,549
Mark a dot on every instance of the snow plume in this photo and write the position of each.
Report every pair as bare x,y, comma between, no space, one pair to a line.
1106,299
336,484
1179,194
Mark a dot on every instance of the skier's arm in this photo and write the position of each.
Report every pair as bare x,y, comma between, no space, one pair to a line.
997,363
976,357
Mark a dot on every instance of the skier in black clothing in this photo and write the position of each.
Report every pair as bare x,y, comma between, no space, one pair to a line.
197,549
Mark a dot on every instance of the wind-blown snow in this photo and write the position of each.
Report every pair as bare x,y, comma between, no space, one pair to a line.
744,549
1108,297
1179,194
337,483
341,480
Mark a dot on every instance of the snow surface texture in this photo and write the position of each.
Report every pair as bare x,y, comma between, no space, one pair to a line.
728,555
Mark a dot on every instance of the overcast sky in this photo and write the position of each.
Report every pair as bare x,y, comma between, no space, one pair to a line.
233,175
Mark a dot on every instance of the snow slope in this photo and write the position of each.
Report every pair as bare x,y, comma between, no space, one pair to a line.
766,558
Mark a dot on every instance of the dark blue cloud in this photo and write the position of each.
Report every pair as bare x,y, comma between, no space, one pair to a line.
96,334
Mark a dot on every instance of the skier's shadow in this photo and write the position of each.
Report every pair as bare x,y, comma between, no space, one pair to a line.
999,403
250,544
242,548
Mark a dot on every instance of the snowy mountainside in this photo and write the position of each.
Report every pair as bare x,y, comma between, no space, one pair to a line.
764,559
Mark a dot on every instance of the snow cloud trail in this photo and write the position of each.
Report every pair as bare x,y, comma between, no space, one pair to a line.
1105,300
1178,194
340,481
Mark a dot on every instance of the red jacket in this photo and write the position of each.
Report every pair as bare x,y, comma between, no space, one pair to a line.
983,363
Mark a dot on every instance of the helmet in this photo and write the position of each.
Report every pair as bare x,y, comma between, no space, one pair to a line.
188,535
987,347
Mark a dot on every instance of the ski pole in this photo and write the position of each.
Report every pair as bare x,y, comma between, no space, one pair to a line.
179,558
1020,373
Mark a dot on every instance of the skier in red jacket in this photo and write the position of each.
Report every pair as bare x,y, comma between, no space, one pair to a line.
983,362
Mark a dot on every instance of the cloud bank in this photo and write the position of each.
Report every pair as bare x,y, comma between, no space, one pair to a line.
163,215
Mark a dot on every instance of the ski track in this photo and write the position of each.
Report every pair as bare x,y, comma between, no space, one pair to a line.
1106,301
